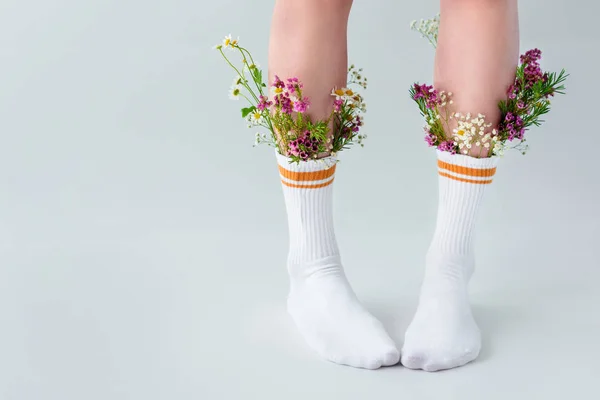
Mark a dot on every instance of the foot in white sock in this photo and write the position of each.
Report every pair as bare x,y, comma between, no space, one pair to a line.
321,302
443,333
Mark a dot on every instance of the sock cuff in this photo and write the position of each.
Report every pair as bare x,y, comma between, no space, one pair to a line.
311,174
466,169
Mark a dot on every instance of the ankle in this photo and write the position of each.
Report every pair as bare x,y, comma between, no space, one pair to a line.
448,268
322,268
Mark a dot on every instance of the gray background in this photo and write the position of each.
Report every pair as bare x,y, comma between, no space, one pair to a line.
143,239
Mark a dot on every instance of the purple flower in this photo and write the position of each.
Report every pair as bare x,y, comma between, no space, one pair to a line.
531,67
448,146
520,105
356,124
509,117
421,91
346,132
519,122
531,56
512,132
433,101
428,93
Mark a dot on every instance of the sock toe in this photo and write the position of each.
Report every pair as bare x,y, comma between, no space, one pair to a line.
413,361
371,362
435,366
391,357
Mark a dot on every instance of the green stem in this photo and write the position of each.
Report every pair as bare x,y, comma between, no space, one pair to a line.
239,74
244,96
242,50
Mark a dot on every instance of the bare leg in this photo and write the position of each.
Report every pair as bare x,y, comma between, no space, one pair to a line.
477,54
476,60
308,41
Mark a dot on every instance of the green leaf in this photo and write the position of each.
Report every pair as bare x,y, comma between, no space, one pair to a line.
247,110
257,74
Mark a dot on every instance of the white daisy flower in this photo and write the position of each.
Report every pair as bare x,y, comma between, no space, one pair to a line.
228,41
255,117
346,95
235,92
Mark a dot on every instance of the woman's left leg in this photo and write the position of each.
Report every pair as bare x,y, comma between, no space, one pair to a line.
476,57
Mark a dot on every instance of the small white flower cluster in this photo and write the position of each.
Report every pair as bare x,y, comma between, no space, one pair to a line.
360,138
228,42
264,138
428,28
472,132
445,98
356,76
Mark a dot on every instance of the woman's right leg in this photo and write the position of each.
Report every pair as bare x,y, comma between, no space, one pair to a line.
308,41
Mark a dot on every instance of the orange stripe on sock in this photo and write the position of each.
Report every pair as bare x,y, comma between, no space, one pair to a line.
320,185
307,176
485,172
456,178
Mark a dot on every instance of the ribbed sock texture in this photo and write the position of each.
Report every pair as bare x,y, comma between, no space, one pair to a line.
321,301
443,333
308,192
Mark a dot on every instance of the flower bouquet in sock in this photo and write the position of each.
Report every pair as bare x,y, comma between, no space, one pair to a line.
281,109
321,302
528,99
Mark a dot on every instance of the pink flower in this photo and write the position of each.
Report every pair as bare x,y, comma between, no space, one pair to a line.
294,85
430,138
263,103
301,105
337,105
448,146
512,92
283,102
278,83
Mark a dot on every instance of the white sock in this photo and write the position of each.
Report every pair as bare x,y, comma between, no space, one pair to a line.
321,302
443,333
